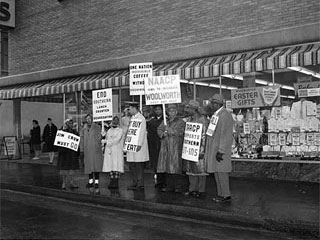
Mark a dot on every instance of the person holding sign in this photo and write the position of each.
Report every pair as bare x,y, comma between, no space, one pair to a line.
113,155
137,154
93,156
196,170
219,147
68,159
170,160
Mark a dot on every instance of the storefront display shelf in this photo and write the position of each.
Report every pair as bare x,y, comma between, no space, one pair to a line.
275,160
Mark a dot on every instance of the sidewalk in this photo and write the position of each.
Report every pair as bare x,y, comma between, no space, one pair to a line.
278,205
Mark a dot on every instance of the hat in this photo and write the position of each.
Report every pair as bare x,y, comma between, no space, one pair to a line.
193,104
217,98
132,104
174,106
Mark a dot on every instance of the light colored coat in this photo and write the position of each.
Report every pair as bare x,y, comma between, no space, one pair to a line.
113,153
220,141
93,157
143,154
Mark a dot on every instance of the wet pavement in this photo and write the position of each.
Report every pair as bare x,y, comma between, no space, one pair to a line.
275,202
26,216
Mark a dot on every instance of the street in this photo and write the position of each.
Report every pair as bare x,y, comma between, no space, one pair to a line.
26,216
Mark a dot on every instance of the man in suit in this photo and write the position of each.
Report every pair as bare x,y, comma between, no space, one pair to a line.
218,147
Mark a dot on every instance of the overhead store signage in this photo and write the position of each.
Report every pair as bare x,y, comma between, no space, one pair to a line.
192,141
102,105
310,92
7,13
305,85
67,140
163,90
139,72
255,97
132,139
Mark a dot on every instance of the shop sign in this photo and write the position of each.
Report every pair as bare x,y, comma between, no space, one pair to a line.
132,139
310,92
246,128
102,105
163,90
192,141
10,145
255,97
139,72
67,140
305,85
7,13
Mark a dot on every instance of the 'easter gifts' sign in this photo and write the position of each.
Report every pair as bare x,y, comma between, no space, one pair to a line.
192,141
132,138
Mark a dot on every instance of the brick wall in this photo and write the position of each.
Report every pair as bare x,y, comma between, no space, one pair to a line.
51,34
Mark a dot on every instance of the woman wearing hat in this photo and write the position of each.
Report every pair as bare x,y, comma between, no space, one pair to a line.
170,160
197,170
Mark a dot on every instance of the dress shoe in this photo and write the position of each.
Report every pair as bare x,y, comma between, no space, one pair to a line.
73,186
223,200
132,187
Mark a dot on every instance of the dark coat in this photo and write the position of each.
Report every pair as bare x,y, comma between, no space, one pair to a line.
154,141
67,158
48,136
35,135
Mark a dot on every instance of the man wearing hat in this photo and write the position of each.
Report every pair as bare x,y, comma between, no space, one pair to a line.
218,147
137,159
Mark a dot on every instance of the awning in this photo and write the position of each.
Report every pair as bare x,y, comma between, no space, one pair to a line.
209,67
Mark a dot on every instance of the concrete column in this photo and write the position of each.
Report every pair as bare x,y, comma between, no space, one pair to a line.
17,117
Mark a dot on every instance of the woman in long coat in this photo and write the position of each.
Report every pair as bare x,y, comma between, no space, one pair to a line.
113,154
68,160
170,160
48,136
93,156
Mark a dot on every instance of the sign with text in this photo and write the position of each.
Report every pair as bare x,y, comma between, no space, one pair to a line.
305,85
7,13
310,92
192,141
67,140
255,97
132,139
102,105
10,145
163,90
139,72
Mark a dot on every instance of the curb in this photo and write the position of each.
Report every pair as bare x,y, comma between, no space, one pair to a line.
231,218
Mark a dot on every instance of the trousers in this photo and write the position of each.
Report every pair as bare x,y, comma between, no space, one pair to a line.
222,181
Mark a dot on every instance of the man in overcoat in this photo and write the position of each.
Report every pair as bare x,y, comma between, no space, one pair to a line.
137,159
218,147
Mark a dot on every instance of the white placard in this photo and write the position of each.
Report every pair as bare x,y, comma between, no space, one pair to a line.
102,105
246,128
192,141
139,72
67,140
163,90
11,145
132,138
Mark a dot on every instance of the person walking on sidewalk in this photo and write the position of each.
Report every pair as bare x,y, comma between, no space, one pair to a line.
170,160
35,140
93,156
218,147
197,170
154,145
138,159
48,136
113,154
68,160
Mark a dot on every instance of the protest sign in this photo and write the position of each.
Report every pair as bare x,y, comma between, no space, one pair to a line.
67,140
138,73
163,90
102,105
255,97
192,141
132,138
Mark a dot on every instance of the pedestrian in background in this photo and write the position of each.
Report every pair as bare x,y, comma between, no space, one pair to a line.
138,159
35,140
48,136
93,156
170,160
113,154
197,170
68,160
219,147
154,145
